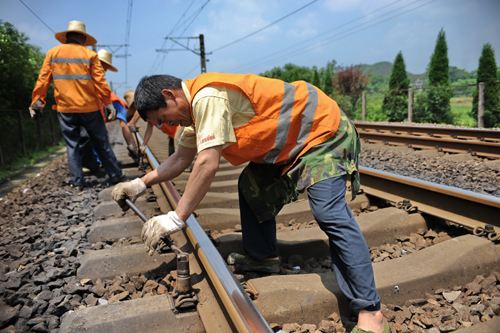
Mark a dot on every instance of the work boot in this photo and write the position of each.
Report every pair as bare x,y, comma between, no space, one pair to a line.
79,185
244,263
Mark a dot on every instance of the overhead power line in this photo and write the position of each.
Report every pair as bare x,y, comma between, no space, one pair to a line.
194,16
339,32
187,23
362,27
155,63
264,27
36,15
300,45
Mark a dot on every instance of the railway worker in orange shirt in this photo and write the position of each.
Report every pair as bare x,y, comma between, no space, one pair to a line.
120,106
79,90
294,137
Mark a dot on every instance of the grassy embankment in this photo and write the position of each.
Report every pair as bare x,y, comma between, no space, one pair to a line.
21,164
460,110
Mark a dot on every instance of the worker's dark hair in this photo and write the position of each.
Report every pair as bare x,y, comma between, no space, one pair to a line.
74,36
148,95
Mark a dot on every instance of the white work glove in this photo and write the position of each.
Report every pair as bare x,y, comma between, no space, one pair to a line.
158,227
127,190
142,150
35,108
111,111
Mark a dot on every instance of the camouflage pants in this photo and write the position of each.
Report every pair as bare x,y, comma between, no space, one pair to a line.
266,190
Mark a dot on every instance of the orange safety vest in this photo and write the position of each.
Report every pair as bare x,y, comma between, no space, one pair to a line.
78,76
290,118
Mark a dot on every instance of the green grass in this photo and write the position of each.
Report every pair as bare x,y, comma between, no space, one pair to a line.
460,110
374,108
10,170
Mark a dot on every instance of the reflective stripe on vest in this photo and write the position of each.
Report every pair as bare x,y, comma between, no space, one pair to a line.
283,124
285,120
71,77
307,120
70,61
290,118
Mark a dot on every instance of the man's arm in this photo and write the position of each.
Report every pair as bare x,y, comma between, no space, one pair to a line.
43,81
135,119
148,133
204,170
171,167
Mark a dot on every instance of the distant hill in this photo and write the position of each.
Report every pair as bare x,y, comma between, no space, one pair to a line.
382,68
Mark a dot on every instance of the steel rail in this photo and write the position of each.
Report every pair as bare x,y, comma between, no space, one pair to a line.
456,132
468,209
480,148
242,311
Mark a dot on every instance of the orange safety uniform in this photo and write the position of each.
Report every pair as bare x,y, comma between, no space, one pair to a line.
79,83
290,118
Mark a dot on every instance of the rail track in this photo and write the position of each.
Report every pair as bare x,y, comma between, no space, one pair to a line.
480,142
425,240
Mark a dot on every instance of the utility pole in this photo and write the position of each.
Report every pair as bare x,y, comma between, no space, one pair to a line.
410,104
363,105
203,59
185,47
480,105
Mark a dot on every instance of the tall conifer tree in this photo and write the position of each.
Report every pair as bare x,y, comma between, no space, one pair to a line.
395,101
439,91
488,73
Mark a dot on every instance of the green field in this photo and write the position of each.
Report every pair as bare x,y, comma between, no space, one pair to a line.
460,109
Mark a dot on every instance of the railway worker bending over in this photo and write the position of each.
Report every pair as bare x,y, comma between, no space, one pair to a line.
294,137
119,105
79,90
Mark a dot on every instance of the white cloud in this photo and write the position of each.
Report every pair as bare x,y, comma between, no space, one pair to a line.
230,20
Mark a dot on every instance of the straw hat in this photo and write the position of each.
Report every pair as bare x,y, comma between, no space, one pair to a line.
129,100
106,57
75,26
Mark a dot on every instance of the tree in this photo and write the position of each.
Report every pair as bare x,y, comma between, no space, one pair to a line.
488,73
290,73
327,78
439,92
19,66
350,81
315,77
395,100
439,68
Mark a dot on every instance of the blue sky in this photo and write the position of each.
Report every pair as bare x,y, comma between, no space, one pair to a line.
349,31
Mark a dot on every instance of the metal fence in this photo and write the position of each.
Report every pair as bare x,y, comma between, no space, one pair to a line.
21,135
